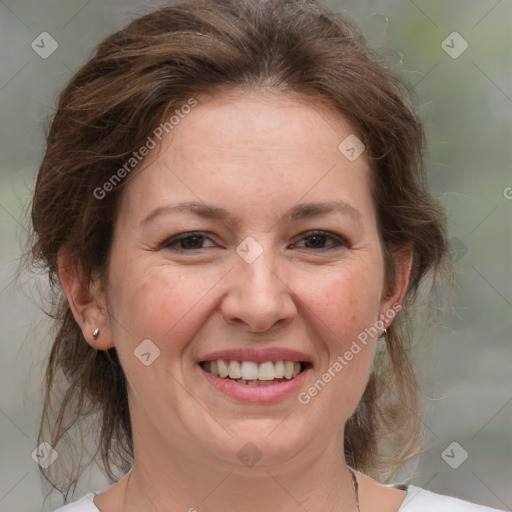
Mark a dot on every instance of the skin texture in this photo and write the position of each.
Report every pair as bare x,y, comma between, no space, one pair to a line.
257,154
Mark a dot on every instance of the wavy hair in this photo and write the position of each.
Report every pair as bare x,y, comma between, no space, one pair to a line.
116,100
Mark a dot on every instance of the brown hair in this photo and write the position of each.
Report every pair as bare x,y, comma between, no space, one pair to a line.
115,101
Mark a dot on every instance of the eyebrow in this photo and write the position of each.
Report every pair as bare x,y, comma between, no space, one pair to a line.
299,211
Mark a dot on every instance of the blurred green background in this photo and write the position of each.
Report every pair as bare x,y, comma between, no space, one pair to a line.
465,99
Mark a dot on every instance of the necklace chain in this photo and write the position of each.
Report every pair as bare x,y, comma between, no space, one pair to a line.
356,487
126,488
352,472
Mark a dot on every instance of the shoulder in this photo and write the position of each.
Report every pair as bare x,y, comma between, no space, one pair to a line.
84,504
421,500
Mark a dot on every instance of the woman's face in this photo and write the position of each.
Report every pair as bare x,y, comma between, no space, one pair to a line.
271,270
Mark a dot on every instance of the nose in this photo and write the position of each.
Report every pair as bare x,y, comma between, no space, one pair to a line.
258,297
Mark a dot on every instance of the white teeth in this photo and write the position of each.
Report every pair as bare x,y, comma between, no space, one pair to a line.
223,368
252,373
288,369
278,370
235,370
250,370
266,371
257,382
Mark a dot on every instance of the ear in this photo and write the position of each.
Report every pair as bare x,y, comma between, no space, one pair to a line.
87,302
403,263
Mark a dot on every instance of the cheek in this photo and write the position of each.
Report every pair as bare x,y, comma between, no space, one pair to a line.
159,303
344,305
343,311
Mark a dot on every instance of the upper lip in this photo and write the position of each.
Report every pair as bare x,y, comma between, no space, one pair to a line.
257,355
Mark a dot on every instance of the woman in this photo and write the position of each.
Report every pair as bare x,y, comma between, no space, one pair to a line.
233,213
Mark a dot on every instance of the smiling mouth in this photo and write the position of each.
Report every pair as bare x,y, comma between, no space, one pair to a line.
251,373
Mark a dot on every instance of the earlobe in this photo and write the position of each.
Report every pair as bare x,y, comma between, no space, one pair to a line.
87,303
403,273
403,264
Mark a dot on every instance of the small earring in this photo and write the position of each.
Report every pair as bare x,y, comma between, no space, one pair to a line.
95,334
383,334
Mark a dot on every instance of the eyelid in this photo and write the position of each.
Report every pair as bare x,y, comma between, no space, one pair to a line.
182,236
337,238
175,239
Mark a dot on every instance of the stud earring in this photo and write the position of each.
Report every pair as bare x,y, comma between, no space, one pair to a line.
95,334
383,334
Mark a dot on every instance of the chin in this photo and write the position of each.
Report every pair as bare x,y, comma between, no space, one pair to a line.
263,444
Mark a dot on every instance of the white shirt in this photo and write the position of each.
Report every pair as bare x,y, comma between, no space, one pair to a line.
416,500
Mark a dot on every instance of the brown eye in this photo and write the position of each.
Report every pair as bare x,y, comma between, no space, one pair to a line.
322,240
185,242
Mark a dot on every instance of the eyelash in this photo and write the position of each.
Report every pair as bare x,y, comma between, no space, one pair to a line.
167,244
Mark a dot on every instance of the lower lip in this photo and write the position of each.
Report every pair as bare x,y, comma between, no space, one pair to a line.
246,393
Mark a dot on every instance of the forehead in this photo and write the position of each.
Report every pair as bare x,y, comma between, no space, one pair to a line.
255,145
250,121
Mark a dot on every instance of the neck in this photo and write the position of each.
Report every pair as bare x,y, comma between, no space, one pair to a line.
193,481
